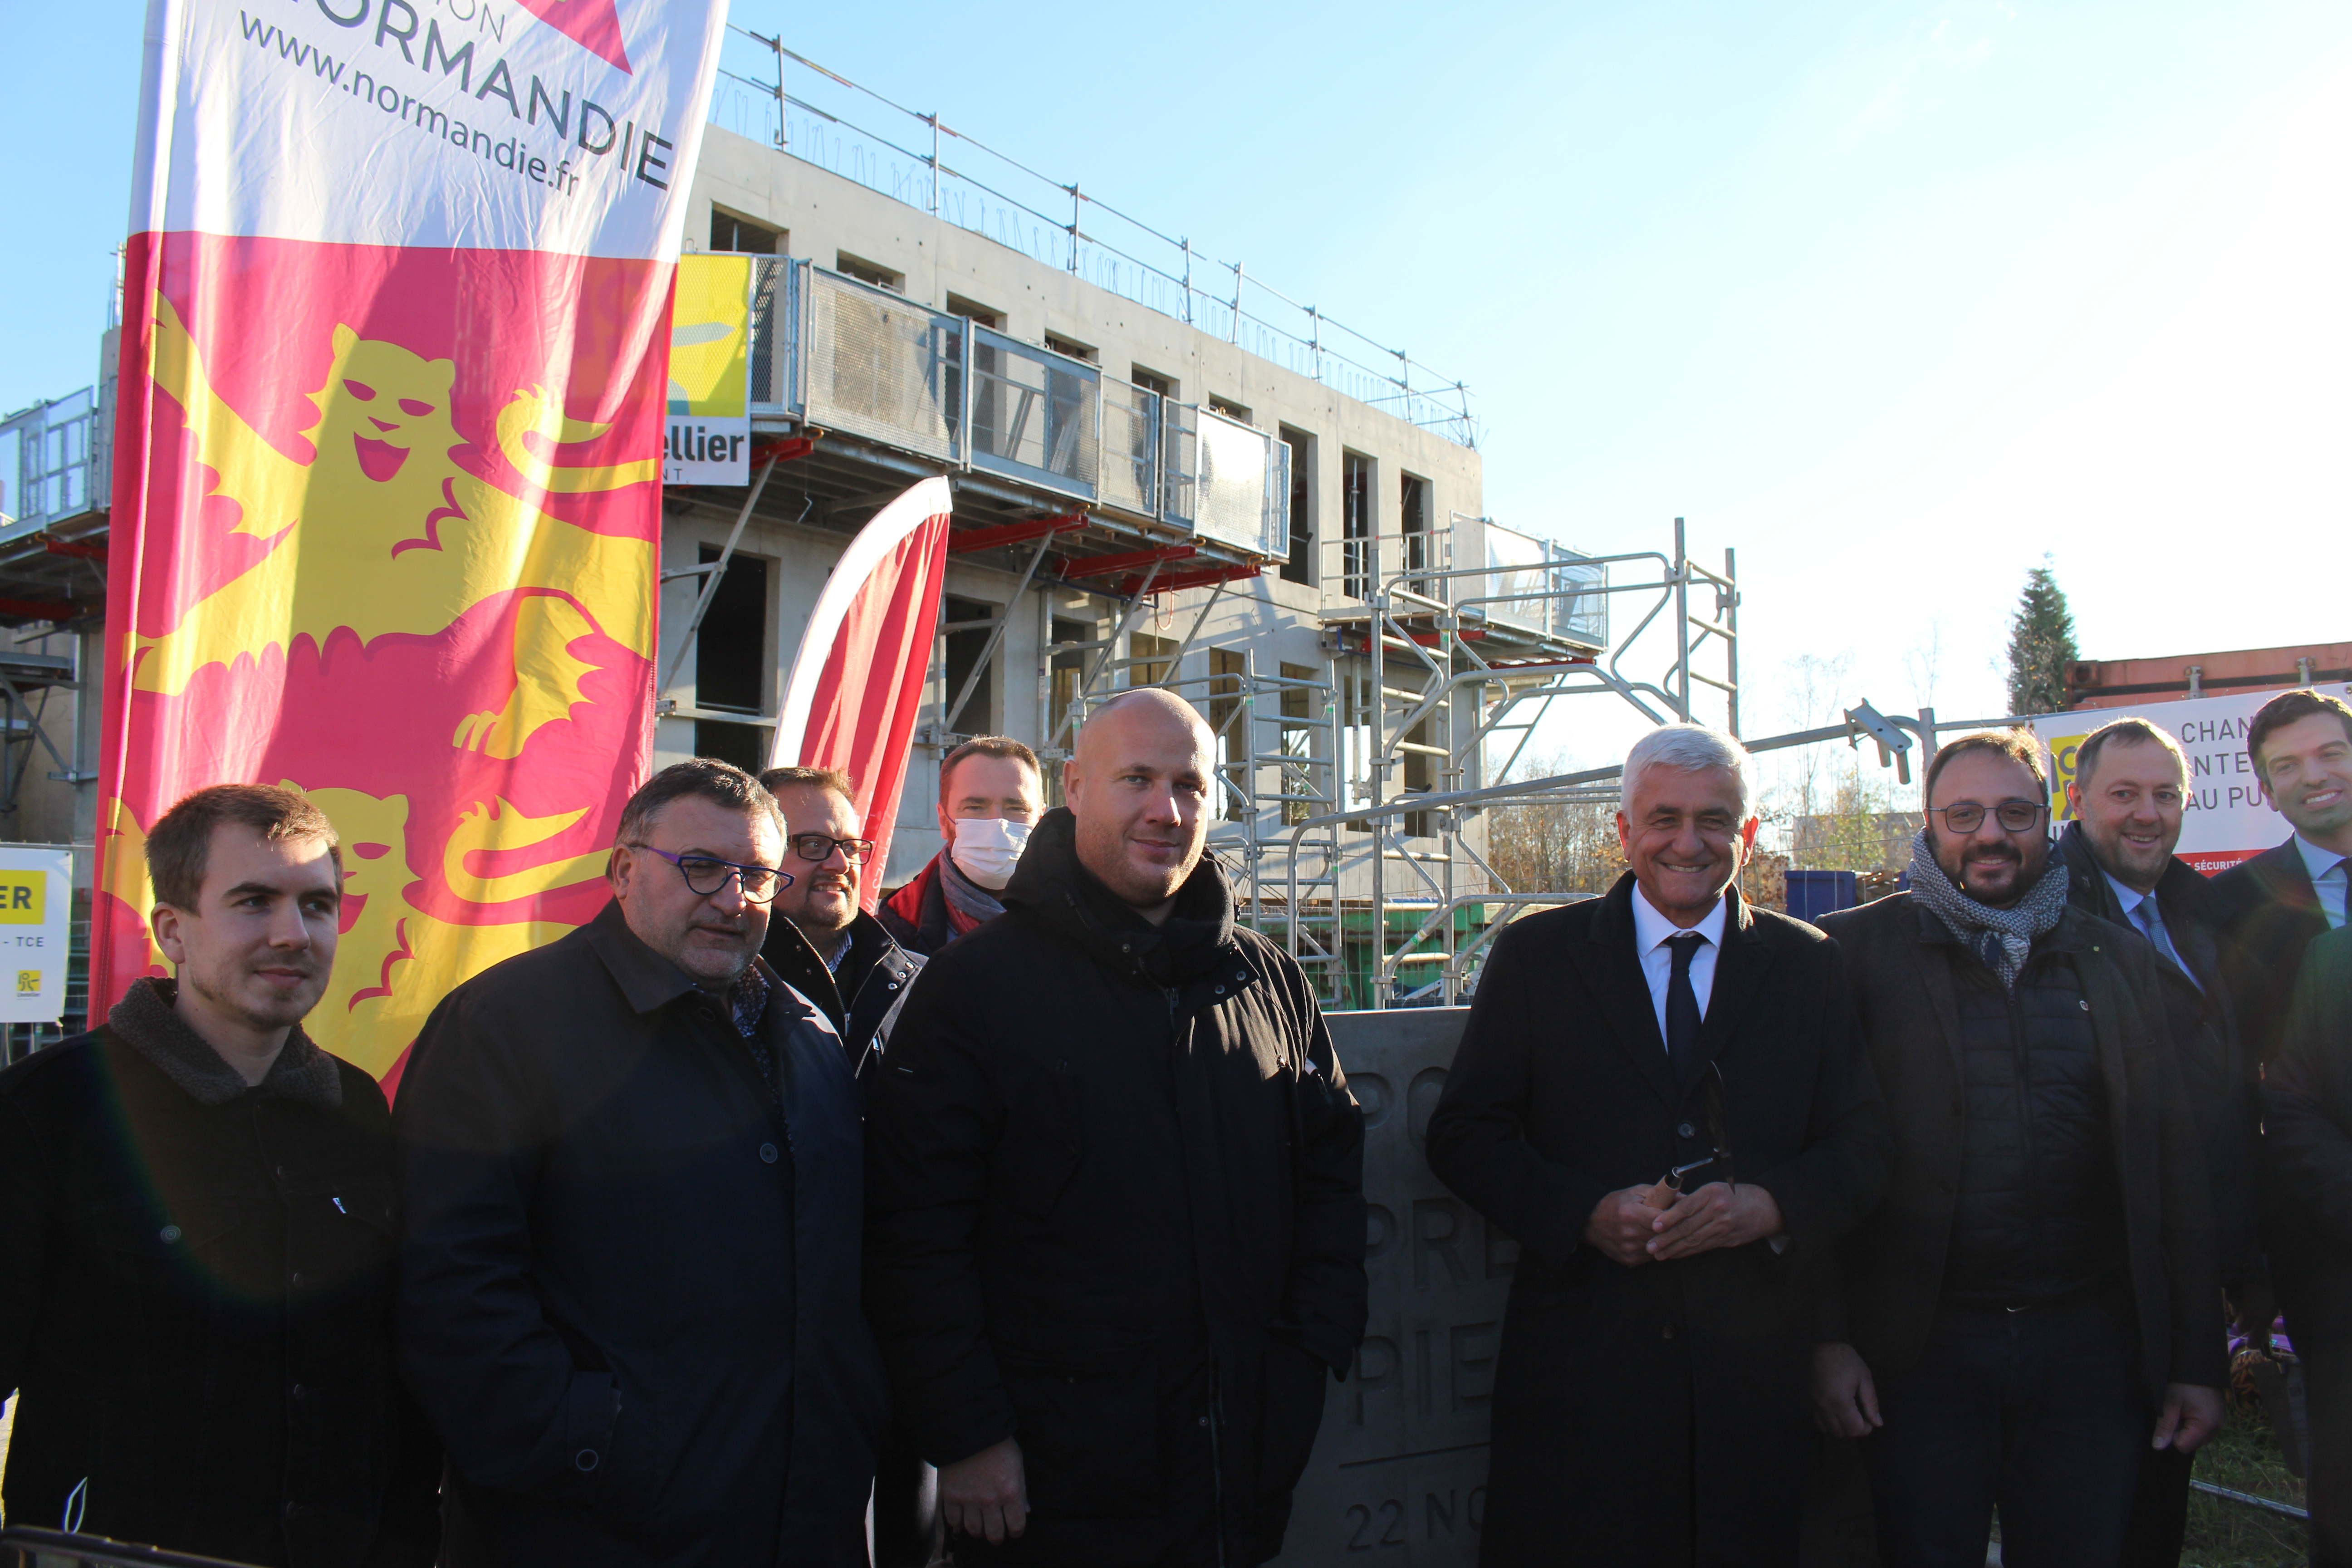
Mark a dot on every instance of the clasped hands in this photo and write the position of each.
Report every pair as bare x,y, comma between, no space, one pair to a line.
1626,1227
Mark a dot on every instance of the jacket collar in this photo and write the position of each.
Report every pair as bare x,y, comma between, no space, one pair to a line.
648,981
1613,971
1052,887
872,950
147,1021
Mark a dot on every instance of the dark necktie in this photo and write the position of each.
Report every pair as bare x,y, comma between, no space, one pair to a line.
1682,1008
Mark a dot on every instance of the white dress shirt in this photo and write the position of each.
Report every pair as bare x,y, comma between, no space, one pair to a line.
2328,871
1651,931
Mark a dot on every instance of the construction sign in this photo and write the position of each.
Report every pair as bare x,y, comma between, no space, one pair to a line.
388,460
710,436
2228,819
36,904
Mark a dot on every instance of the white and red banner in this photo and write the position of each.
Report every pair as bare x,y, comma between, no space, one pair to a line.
387,493
857,683
2229,818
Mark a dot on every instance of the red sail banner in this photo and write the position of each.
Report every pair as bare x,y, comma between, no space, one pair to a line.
387,499
857,683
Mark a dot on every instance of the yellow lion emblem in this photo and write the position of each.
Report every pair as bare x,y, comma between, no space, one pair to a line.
381,533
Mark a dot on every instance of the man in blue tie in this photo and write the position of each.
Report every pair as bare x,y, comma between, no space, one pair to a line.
2125,802
2300,747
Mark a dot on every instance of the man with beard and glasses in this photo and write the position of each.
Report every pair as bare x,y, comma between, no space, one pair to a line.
991,795
2300,745
1116,1235
2128,795
820,941
633,1174
822,945
2036,1302
196,1233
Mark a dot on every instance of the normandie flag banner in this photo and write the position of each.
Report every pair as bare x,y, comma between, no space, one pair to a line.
387,465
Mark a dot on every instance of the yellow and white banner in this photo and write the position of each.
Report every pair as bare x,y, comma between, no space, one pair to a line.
709,439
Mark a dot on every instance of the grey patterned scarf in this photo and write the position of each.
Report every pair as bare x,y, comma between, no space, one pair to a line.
2000,937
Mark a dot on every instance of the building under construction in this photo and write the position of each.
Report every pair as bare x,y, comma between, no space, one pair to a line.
1165,472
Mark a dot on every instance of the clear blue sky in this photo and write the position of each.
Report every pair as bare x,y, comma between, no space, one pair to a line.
1895,298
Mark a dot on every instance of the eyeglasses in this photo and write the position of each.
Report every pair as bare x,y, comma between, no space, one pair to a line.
707,874
819,848
2014,816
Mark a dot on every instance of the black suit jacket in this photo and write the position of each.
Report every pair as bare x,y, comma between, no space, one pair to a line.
2222,1080
2307,1155
1561,1093
1882,1296
2272,914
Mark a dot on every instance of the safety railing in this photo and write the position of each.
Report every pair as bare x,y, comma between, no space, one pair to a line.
918,159
1535,586
52,462
862,361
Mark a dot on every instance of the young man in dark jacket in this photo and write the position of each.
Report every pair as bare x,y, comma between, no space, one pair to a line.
1116,1226
2307,1160
632,1171
2127,799
2035,1304
196,1233
2299,745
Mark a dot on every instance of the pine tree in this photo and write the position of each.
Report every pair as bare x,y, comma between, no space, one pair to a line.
2042,650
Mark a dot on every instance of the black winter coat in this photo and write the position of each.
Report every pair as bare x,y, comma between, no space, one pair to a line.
1899,963
1657,1414
2222,1077
2307,1150
1116,1211
2272,914
877,974
629,1279
195,1303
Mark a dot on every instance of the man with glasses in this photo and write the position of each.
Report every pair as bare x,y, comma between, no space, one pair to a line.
824,945
2035,1304
632,1170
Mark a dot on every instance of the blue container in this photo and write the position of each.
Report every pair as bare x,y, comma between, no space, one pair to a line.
1813,894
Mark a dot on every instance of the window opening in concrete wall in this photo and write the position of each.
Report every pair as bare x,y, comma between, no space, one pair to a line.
1226,667
1071,347
1419,776
1412,522
743,236
964,649
959,306
1152,381
866,271
1151,654
1301,565
731,662
1069,674
1354,687
1297,740
1356,523
1229,408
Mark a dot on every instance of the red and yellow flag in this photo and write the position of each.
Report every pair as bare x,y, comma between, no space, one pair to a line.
387,498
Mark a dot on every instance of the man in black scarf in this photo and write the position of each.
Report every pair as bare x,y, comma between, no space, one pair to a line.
2035,1304
1115,1228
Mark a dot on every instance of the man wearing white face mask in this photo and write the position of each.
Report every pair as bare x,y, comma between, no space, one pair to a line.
990,794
